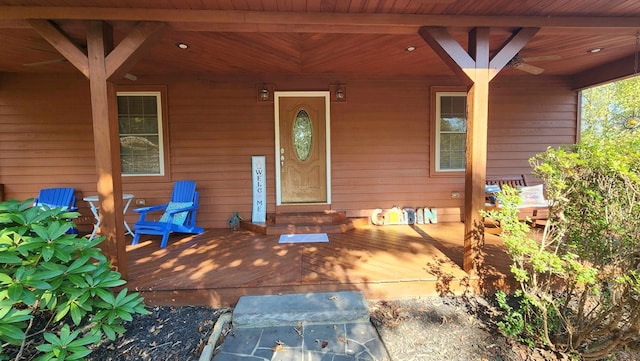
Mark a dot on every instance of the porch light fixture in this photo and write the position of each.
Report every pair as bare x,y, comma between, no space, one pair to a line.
264,92
182,46
130,76
338,92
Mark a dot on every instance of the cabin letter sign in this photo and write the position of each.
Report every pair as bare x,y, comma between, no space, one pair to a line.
258,171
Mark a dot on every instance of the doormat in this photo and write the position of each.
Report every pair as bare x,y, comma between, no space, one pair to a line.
304,238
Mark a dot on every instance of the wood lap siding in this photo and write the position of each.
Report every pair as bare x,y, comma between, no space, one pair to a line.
380,142
46,138
215,129
525,117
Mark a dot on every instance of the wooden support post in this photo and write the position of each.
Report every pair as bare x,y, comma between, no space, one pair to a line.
475,174
107,146
101,64
477,68
476,152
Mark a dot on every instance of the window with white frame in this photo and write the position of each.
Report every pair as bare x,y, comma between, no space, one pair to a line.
450,131
141,138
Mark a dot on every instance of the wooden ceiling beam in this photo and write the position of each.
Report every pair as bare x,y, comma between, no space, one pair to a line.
119,60
63,44
347,29
450,51
605,73
509,49
131,48
299,18
293,28
479,47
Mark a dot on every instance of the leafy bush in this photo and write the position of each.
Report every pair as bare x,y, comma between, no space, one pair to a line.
580,278
46,273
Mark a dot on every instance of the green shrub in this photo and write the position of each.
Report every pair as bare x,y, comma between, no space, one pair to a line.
580,277
47,273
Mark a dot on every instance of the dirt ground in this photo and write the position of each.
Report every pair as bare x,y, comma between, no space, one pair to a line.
424,329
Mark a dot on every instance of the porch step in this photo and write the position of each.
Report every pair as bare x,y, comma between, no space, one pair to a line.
303,326
327,217
303,222
291,309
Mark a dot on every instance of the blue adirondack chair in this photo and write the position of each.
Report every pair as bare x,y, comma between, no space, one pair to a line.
58,198
179,214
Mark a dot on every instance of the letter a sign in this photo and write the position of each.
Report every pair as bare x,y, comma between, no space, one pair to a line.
258,170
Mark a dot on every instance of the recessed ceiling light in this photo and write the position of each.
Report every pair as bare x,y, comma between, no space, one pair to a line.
595,50
182,45
410,48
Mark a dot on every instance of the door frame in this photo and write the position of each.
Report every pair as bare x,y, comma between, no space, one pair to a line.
276,113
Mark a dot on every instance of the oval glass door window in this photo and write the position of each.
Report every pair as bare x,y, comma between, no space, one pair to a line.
302,135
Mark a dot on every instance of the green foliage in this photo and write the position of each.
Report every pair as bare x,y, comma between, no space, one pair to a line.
605,107
513,321
523,321
579,277
46,272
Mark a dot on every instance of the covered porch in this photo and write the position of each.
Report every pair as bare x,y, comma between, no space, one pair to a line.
519,68
384,262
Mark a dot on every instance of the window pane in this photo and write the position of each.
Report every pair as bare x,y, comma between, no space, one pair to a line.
454,106
452,128
453,124
123,122
151,125
136,125
150,105
135,105
123,105
302,135
452,151
140,137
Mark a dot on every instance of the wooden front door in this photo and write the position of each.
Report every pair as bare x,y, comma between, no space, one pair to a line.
303,150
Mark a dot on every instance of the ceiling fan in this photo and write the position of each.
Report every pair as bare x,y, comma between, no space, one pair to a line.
128,76
522,63
55,59
45,62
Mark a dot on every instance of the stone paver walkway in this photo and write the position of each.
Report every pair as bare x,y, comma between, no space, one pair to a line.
332,326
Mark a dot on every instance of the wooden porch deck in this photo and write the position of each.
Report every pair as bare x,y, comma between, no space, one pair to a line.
388,262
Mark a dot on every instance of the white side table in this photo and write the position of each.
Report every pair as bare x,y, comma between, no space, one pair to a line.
93,203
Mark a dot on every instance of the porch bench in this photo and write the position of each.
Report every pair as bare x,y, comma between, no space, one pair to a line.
534,207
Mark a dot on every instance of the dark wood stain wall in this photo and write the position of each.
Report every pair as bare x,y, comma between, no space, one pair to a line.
380,139
46,137
527,115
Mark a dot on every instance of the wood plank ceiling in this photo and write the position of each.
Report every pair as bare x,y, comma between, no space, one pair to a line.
316,36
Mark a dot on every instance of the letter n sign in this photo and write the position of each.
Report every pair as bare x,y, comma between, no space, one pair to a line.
258,171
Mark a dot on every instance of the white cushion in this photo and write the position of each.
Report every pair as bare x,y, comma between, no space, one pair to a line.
533,196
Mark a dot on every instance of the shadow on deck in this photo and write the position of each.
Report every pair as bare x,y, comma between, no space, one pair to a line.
388,262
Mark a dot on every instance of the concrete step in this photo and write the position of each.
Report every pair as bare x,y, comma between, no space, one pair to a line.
294,309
